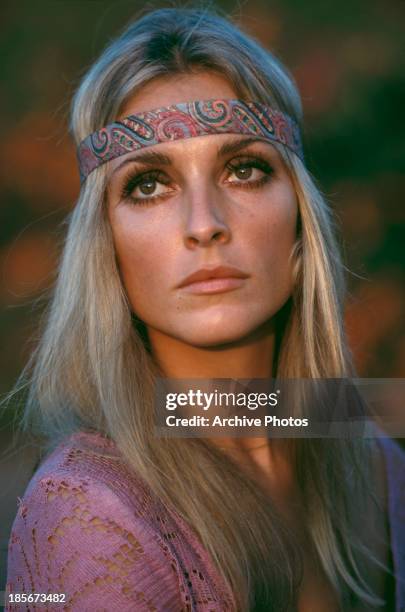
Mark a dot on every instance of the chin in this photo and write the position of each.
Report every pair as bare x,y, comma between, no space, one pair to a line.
210,336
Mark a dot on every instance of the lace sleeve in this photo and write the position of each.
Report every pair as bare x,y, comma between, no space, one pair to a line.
75,536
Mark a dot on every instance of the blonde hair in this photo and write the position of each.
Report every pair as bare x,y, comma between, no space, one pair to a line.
91,369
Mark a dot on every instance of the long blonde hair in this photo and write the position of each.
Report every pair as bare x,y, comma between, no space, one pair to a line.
91,369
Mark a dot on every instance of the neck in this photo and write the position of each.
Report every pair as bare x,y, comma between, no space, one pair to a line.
251,357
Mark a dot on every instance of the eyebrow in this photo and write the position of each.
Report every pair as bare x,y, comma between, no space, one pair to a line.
154,157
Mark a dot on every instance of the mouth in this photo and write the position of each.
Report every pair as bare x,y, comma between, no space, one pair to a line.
218,279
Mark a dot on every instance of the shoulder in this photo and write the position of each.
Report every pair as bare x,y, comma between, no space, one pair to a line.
389,470
84,528
394,472
86,467
85,476
393,465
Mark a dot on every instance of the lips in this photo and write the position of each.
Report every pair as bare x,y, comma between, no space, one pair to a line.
206,274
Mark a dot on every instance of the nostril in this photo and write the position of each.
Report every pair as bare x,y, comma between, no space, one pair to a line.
218,236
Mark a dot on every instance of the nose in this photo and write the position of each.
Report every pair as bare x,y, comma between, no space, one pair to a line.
205,224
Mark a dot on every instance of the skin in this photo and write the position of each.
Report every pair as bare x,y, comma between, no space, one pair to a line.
207,217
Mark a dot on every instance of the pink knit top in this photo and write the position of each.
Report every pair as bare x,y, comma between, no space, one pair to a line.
89,529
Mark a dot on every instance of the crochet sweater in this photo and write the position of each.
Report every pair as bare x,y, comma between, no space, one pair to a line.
88,528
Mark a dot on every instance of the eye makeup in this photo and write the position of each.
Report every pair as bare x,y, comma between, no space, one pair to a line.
136,179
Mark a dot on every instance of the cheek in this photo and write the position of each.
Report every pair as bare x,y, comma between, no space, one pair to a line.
138,258
272,231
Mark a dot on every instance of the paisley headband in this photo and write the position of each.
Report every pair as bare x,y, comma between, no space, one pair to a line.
185,120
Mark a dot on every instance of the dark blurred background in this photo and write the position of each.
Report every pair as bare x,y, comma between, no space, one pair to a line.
348,61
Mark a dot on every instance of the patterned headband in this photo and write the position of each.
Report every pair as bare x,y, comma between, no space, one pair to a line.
185,120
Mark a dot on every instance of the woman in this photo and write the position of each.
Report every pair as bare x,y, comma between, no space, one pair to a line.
199,248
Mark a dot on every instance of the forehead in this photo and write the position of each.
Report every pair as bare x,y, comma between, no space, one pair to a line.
184,106
174,89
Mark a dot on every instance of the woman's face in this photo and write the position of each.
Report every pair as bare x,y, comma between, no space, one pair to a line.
199,204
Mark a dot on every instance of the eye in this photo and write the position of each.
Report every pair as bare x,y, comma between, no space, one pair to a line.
249,172
144,187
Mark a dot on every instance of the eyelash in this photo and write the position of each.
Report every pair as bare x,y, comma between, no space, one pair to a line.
133,180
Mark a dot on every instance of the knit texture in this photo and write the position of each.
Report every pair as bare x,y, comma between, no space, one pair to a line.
87,527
